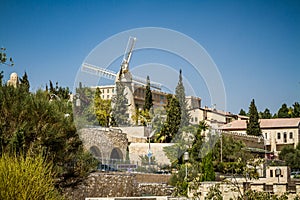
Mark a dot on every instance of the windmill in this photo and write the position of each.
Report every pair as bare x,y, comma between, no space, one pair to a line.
111,75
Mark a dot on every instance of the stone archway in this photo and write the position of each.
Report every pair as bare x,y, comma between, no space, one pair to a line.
116,153
95,151
107,143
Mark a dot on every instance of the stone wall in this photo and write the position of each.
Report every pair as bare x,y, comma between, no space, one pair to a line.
120,185
249,140
229,191
104,140
141,149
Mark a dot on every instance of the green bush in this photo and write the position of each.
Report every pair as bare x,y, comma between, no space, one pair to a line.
26,177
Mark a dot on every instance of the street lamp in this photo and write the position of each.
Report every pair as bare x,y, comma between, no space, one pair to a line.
186,158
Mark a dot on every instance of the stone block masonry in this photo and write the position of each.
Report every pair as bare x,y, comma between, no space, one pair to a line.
120,185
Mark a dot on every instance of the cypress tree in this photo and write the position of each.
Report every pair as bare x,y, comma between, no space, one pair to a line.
24,82
119,109
253,125
172,123
148,98
208,168
180,95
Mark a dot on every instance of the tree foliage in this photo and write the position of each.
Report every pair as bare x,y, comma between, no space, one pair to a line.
85,111
296,110
26,177
171,125
180,95
3,58
24,83
208,173
266,114
102,109
35,122
120,106
148,96
253,125
242,112
291,156
283,112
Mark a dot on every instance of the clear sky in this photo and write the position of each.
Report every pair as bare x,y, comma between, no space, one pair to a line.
255,44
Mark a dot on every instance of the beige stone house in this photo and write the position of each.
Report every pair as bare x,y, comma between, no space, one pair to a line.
277,133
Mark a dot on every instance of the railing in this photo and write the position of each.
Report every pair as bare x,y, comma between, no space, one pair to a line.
125,165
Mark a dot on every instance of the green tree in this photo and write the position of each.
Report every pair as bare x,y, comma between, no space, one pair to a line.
214,193
253,125
208,173
119,106
296,110
171,125
283,112
1,78
3,58
84,114
102,109
291,156
266,114
233,151
180,95
243,112
148,98
30,121
24,82
195,151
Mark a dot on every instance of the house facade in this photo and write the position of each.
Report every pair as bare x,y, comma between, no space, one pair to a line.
277,133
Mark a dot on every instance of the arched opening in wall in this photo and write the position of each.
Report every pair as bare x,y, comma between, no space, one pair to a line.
116,154
96,152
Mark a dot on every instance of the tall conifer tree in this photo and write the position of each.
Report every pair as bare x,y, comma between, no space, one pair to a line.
25,82
180,95
253,125
148,98
119,105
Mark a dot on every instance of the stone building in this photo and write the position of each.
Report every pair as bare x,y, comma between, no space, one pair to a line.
213,117
14,80
277,133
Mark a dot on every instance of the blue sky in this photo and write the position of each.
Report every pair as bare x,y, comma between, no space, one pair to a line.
255,44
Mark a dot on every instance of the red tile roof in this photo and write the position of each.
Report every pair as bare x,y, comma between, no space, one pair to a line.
264,124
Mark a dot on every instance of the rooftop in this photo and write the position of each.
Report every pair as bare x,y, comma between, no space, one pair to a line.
264,124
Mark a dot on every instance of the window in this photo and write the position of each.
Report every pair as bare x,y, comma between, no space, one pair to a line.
271,173
192,119
284,137
113,90
266,136
278,136
108,96
107,90
102,96
291,135
196,119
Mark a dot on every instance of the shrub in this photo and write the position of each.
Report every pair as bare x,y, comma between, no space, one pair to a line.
26,177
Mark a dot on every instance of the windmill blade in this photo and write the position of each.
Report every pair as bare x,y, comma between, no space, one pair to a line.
143,82
95,70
